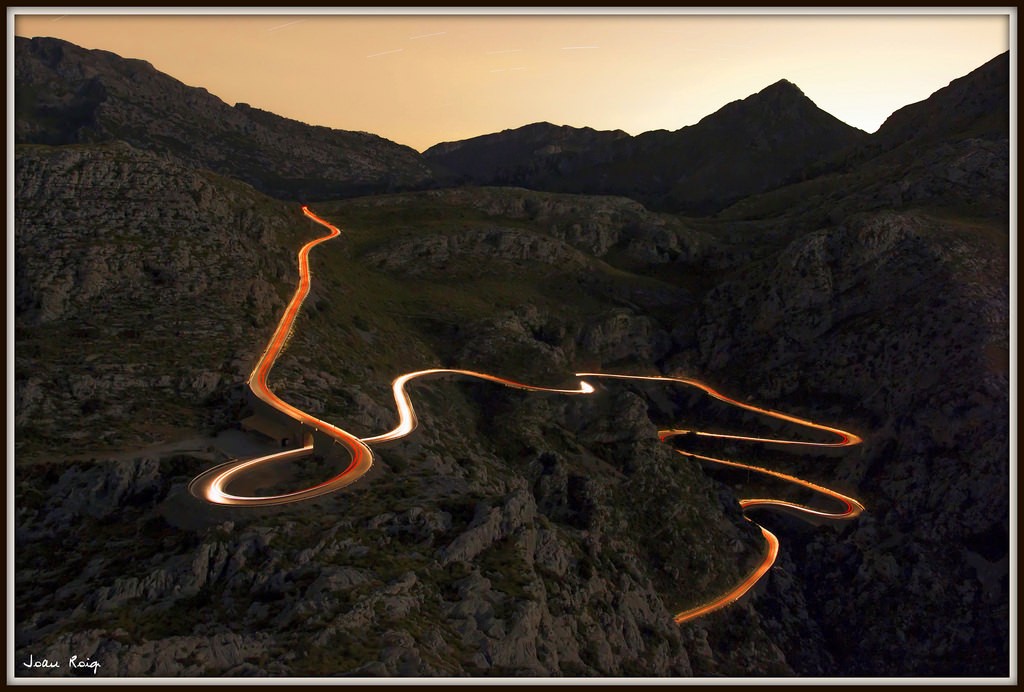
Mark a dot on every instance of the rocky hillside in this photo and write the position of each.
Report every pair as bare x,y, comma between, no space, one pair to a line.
746,147
515,533
501,539
898,319
66,94
124,263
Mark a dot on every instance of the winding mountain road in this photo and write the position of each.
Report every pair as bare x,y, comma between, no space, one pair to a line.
211,485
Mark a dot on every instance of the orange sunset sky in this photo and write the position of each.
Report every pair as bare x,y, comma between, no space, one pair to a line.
423,79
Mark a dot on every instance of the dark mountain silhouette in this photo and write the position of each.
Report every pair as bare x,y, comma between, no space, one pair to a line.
950,150
520,154
746,147
975,105
66,94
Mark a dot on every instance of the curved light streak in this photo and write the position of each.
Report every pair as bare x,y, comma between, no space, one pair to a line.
211,484
742,588
846,439
851,507
407,420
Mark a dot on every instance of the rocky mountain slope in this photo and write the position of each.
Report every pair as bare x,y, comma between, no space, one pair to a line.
948,152
899,319
515,533
125,262
746,147
66,94
977,104
474,540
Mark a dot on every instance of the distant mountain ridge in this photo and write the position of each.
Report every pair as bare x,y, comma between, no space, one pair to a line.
747,146
66,94
516,150
950,150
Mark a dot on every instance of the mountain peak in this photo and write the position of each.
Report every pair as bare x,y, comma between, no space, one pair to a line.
746,147
782,91
783,86
781,104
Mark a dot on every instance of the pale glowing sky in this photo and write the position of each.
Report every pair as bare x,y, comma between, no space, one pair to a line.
423,79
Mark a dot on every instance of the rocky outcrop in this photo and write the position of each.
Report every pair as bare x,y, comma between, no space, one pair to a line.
418,256
593,225
972,173
624,336
489,526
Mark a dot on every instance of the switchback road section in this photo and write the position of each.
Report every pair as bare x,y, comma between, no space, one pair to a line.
211,485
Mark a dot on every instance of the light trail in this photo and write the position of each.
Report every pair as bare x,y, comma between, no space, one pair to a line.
852,508
737,592
407,420
845,438
211,484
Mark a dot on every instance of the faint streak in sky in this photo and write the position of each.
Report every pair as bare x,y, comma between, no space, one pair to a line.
281,26
712,46
396,50
436,33
57,19
578,47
